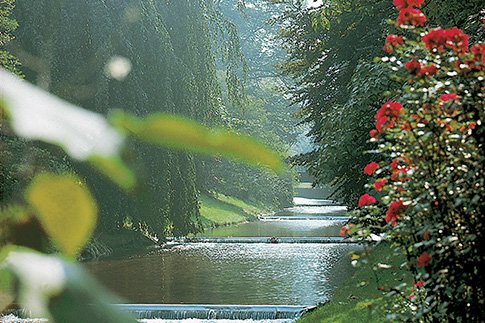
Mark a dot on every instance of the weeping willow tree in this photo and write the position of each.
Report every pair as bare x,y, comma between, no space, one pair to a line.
68,48
7,26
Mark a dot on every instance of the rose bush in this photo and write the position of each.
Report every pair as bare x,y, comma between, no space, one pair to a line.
428,173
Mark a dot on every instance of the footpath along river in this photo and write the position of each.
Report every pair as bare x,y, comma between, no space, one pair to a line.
264,271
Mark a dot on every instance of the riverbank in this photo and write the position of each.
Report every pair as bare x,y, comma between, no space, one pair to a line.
359,299
222,210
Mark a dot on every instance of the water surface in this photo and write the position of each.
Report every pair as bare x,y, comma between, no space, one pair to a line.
292,274
279,228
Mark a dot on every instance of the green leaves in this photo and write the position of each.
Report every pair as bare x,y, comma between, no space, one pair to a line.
65,208
173,131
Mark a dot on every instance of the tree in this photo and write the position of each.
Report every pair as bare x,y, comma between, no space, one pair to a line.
7,26
69,47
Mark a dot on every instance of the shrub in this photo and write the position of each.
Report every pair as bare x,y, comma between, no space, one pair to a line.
428,175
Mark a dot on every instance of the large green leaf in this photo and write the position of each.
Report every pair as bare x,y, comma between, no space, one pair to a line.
65,208
169,130
115,169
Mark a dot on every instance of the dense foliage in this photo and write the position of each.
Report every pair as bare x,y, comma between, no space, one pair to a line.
427,193
331,47
335,86
7,26
172,52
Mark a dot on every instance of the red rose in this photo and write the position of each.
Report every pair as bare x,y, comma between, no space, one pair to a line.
394,164
397,169
448,97
370,168
345,230
373,133
380,183
413,66
410,16
438,39
423,260
419,283
402,4
478,51
428,70
366,199
394,211
391,42
387,115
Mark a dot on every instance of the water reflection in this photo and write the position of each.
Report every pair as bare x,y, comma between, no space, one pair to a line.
279,228
229,274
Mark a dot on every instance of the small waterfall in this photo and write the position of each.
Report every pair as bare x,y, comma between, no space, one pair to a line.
214,312
304,217
262,240
302,201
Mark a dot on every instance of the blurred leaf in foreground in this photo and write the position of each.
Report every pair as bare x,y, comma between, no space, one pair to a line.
115,169
168,130
61,291
35,114
65,208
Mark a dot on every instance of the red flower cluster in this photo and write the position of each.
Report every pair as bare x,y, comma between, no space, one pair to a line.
370,168
394,211
428,70
345,230
403,4
397,169
423,260
454,38
392,41
379,184
414,67
419,283
410,16
366,199
478,51
373,133
387,115
448,97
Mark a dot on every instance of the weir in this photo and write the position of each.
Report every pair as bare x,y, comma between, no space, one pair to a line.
303,201
214,312
261,240
305,217
325,210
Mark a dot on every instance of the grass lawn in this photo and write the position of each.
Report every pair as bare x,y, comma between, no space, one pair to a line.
358,299
225,210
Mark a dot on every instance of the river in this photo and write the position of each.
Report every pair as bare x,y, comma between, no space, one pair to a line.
239,273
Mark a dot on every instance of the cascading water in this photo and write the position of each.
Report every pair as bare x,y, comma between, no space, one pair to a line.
215,312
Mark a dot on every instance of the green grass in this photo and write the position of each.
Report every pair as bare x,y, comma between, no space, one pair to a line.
358,299
304,185
224,210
